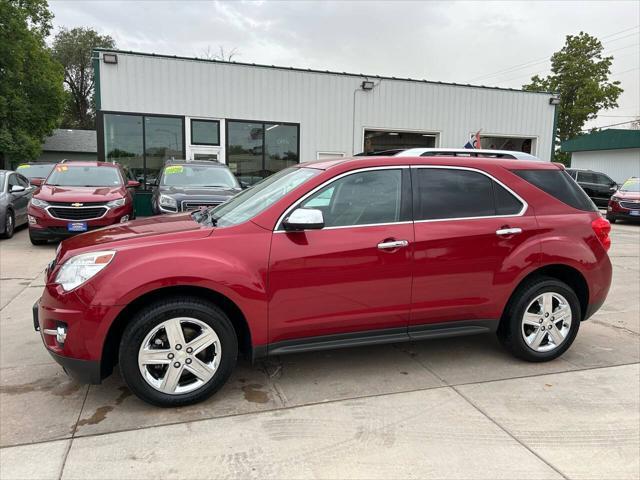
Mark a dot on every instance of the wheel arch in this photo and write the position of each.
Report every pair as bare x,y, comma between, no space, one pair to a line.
566,274
111,345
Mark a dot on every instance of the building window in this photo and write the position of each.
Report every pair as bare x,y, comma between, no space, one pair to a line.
384,140
205,132
256,150
142,143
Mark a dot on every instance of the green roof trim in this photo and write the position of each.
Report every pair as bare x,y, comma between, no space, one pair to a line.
311,70
612,139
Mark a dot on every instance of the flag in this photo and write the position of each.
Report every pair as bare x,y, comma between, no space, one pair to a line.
474,140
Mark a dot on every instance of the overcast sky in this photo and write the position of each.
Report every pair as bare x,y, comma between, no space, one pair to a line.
487,43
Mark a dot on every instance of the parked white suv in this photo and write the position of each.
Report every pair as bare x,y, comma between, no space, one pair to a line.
465,152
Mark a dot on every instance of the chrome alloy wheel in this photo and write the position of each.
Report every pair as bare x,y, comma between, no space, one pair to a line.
179,355
8,224
546,322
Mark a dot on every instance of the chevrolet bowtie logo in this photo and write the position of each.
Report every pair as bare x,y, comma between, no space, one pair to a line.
77,204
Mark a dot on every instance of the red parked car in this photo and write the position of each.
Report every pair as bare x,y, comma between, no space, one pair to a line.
79,196
326,255
625,203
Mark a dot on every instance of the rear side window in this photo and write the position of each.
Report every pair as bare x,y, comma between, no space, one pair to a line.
443,193
560,185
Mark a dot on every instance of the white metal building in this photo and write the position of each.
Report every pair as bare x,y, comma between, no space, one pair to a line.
259,119
615,152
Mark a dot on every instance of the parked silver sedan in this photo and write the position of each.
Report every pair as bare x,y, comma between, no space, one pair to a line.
15,194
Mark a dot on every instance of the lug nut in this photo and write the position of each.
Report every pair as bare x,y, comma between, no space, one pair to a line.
540,321
178,347
187,361
189,349
170,356
177,364
546,314
542,328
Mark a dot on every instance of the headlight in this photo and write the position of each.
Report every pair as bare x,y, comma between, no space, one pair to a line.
117,203
39,203
77,270
167,201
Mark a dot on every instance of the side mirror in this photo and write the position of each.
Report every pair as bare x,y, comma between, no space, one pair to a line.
133,184
36,182
17,189
304,219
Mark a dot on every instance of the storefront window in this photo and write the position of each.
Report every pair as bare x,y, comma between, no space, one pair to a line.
142,143
205,132
123,143
256,150
162,141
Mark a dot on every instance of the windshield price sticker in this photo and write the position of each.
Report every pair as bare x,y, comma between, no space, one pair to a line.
173,169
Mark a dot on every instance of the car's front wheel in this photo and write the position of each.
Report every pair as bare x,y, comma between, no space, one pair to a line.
541,321
178,351
9,224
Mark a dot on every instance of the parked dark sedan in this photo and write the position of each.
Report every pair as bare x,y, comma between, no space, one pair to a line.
188,185
15,193
597,185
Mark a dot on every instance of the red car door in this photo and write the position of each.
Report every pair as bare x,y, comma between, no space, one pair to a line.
471,243
349,276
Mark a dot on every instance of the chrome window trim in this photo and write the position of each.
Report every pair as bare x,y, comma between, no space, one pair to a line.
525,205
278,228
83,220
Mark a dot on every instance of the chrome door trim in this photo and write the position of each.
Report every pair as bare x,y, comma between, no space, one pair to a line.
525,205
278,227
393,244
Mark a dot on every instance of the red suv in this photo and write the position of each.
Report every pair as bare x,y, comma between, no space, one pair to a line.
327,255
79,196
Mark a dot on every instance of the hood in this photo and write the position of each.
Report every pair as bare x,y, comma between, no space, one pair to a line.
137,231
627,195
79,194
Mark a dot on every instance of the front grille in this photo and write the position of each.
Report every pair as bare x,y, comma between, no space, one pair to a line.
71,213
195,204
634,206
71,204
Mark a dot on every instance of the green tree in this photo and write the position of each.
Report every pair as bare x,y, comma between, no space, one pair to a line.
580,74
72,48
31,91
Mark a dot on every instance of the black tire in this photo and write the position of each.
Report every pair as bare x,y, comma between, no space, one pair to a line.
146,319
611,219
9,224
35,240
509,331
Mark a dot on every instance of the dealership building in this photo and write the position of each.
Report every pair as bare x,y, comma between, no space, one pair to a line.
259,119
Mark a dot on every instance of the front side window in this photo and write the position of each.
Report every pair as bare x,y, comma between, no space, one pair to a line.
198,176
66,175
362,198
253,201
205,132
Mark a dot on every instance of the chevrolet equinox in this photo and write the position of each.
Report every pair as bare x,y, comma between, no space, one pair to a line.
330,254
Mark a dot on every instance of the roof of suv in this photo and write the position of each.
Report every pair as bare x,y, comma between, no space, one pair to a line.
440,160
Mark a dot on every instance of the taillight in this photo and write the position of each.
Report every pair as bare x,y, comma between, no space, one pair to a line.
601,228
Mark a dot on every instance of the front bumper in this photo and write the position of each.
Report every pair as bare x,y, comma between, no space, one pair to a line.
84,371
617,211
44,226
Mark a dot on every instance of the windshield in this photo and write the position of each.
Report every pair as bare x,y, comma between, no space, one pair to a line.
66,175
631,185
198,176
35,171
256,199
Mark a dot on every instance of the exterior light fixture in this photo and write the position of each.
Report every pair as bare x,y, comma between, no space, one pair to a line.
554,101
368,85
110,58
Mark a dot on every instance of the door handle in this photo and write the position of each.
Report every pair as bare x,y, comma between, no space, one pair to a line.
508,231
393,244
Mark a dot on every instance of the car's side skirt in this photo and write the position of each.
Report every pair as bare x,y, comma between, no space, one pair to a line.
376,337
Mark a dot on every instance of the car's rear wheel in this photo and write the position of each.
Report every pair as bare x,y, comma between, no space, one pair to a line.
541,321
178,351
9,224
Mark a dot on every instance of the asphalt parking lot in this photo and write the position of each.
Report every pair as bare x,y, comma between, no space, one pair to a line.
454,408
